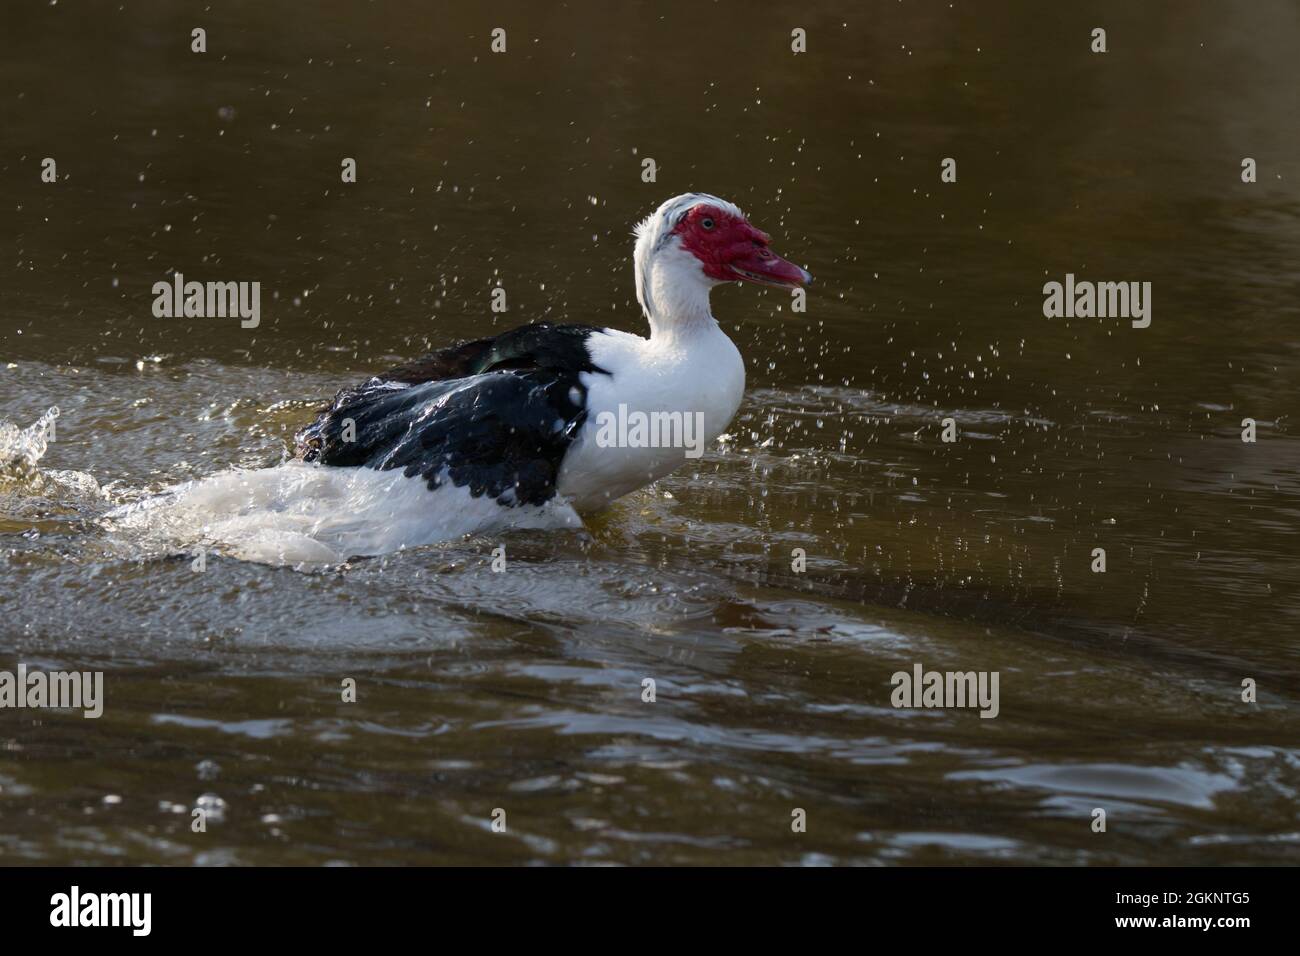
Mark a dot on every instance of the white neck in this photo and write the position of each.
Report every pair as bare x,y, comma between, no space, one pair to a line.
674,294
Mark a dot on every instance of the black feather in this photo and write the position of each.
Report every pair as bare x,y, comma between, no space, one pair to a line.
495,415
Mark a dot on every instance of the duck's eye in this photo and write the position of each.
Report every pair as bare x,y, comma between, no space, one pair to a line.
706,223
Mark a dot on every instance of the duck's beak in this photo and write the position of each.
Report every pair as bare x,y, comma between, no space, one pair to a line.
767,268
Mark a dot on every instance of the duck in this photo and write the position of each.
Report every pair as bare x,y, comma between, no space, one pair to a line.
576,414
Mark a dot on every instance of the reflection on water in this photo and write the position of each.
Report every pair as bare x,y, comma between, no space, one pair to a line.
524,690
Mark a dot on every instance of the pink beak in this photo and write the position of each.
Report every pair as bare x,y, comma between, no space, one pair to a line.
765,267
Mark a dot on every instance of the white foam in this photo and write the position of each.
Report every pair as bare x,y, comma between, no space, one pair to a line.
299,513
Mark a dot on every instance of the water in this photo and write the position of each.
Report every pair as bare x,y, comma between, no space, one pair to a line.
523,690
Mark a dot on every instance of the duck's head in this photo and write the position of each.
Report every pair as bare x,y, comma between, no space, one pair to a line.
694,242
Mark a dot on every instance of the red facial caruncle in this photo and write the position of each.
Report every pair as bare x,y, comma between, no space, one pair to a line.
730,249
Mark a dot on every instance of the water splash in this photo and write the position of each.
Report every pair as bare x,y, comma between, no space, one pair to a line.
307,514
22,448
31,497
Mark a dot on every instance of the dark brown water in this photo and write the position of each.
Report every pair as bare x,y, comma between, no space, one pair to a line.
522,690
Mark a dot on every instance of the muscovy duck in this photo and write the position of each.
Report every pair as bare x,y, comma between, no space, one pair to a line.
515,418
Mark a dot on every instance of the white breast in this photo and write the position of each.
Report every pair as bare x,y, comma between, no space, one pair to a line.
700,375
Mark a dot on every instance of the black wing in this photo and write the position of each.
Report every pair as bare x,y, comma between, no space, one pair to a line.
496,415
